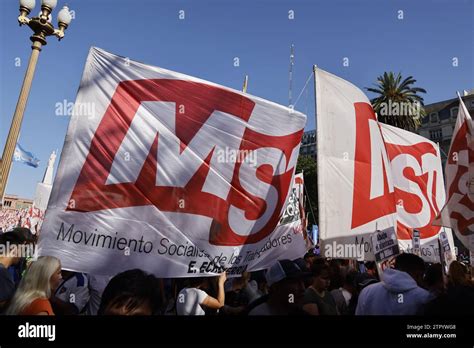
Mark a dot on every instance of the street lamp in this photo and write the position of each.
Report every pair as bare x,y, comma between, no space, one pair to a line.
42,28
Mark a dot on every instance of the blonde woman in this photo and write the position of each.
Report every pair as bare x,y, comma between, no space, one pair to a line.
36,287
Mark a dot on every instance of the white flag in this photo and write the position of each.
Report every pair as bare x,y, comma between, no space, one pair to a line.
356,193
171,174
419,190
458,213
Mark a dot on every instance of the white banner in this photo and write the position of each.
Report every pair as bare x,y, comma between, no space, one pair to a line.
163,172
419,189
356,193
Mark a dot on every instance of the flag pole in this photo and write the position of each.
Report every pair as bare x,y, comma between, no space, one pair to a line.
246,81
318,147
290,77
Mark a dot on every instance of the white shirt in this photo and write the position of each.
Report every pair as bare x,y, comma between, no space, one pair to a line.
347,295
97,286
189,301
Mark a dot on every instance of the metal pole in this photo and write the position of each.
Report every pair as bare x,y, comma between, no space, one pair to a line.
12,138
318,144
246,81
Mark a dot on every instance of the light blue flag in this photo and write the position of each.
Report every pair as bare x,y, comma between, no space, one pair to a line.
26,157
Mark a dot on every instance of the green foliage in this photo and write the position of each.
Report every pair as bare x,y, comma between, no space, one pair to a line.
307,165
397,102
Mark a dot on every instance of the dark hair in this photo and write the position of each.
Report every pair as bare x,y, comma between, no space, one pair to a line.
434,274
370,265
194,282
409,263
11,238
130,290
318,267
458,274
25,234
351,278
309,253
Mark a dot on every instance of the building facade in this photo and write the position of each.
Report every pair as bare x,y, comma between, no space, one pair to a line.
15,202
308,144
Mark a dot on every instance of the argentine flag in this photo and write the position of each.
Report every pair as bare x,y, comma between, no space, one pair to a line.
26,157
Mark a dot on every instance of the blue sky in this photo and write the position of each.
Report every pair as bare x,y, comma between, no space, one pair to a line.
204,44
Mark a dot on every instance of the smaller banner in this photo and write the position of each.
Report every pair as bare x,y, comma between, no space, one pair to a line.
416,242
385,244
446,254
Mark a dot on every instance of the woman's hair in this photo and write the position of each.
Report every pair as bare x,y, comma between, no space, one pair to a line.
434,275
129,291
458,274
35,284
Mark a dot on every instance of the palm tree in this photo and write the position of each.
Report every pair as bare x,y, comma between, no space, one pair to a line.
397,102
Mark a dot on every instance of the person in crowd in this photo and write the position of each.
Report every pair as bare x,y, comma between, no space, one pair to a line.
317,299
238,294
132,292
10,259
176,285
371,269
335,275
25,234
252,289
72,295
193,300
399,292
434,280
343,295
362,280
36,288
18,269
261,280
459,296
309,258
303,265
286,290
97,285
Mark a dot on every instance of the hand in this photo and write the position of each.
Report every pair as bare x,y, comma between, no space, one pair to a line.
222,278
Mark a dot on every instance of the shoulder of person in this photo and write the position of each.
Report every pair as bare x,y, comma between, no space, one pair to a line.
38,305
200,294
261,309
309,294
336,293
81,280
424,294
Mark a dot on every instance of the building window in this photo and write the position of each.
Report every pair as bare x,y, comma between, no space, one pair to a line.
434,117
436,134
454,112
472,103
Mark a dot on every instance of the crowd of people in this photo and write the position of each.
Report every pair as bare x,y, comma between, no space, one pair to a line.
31,218
310,285
11,218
